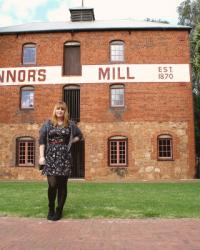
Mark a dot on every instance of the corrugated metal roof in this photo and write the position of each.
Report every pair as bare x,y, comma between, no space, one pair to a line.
125,24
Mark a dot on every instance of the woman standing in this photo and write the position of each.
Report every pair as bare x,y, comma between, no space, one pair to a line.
56,137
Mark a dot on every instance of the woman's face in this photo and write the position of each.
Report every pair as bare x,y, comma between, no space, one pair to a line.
60,112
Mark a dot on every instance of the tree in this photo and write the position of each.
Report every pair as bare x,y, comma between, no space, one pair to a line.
196,84
196,56
189,14
184,11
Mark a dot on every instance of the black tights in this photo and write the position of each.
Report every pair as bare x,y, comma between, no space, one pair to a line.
57,186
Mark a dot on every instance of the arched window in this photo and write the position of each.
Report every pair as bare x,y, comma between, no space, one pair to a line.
29,54
117,51
165,151
25,151
72,59
118,153
27,97
117,95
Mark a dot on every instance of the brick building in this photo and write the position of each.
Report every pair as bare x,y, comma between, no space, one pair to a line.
127,85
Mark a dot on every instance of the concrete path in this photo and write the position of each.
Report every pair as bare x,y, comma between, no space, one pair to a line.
99,234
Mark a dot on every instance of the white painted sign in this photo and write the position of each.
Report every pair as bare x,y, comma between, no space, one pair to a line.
115,73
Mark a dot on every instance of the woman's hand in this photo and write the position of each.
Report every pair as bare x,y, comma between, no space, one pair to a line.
75,139
42,161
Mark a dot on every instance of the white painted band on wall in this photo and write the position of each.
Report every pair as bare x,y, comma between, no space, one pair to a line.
115,73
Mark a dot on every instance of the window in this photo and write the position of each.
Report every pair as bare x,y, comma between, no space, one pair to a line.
29,54
72,99
25,151
117,151
27,97
164,147
117,51
72,64
117,95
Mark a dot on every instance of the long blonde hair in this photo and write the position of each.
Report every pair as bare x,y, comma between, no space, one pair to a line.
54,119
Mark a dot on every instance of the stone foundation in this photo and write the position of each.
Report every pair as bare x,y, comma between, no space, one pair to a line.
142,151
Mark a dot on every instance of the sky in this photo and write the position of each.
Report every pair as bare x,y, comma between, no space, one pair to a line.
13,12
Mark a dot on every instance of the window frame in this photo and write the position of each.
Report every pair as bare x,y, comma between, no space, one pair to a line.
122,55
117,86
29,45
165,137
118,139
27,89
72,44
19,153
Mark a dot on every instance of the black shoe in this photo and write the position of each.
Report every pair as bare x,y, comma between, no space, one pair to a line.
50,215
57,215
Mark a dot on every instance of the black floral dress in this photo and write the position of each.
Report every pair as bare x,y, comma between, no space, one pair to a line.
57,141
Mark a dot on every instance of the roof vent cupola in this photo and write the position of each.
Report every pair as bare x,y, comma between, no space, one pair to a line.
82,14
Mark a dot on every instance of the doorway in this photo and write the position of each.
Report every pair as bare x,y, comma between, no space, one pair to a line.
72,99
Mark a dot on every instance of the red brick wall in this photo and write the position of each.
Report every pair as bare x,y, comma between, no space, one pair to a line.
168,101
146,101
141,47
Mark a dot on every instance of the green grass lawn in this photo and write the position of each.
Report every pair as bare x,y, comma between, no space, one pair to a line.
105,200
